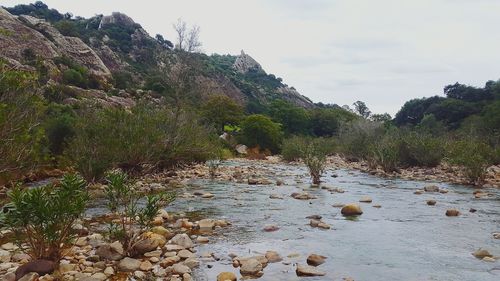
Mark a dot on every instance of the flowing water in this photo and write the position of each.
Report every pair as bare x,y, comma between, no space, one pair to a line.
405,239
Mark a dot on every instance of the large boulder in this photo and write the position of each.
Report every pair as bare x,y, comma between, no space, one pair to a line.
351,210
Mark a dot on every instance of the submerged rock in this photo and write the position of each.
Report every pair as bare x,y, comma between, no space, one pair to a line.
226,276
365,199
431,188
351,210
452,213
303,196
431,202
273,257
482,253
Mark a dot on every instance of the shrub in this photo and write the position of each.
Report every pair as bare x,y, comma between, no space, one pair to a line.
314,156
292,148
21,112
43,217
358,137
259,130
422,149
124,201
385,152
473,155
213,166
153,136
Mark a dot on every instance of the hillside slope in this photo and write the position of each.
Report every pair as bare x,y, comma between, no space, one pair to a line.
113,59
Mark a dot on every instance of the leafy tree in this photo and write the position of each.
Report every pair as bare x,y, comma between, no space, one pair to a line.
414,110
294,119
452,111
361,108
327,122
259,130
386,117
221,110
467,93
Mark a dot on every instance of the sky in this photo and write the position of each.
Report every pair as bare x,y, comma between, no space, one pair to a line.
382,52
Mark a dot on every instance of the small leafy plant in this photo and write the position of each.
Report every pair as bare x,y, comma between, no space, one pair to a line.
42,218
314,156
134,217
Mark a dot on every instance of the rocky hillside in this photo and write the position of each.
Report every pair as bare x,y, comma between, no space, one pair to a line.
114,60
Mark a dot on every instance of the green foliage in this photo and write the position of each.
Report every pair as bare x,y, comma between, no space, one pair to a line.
259,130
326,122
43,217
421,149
149,135
125,202
220,111
294,119
361,108
292,148
37,9
473,155
122,79
358,137
59,127
386,153
314,156
21,112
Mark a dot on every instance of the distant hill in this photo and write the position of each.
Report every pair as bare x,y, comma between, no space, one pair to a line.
114,60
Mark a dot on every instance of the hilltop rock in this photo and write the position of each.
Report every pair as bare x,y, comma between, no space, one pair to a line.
245,63
118,19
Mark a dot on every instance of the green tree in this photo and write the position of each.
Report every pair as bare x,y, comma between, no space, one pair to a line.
361,108
295,120
260,130
221,110
326,122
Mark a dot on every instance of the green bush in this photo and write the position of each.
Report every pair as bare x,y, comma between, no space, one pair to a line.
124,201
473,155
292,148
421,149
314,156
358,137
21,113
152,136
386,152
43,217
259,130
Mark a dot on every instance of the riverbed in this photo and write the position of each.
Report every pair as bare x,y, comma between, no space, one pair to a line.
404,239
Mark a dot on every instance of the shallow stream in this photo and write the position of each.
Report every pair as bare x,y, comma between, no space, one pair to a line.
405,239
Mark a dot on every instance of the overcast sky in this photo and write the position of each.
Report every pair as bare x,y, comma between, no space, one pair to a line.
338,51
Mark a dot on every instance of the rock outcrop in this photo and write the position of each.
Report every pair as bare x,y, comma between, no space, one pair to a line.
245,63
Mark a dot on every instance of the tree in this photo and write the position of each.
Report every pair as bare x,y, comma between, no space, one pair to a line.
180,28
187,39
361,108
294,119
326,122
259,130
193,43
162,41
386,117
221,110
